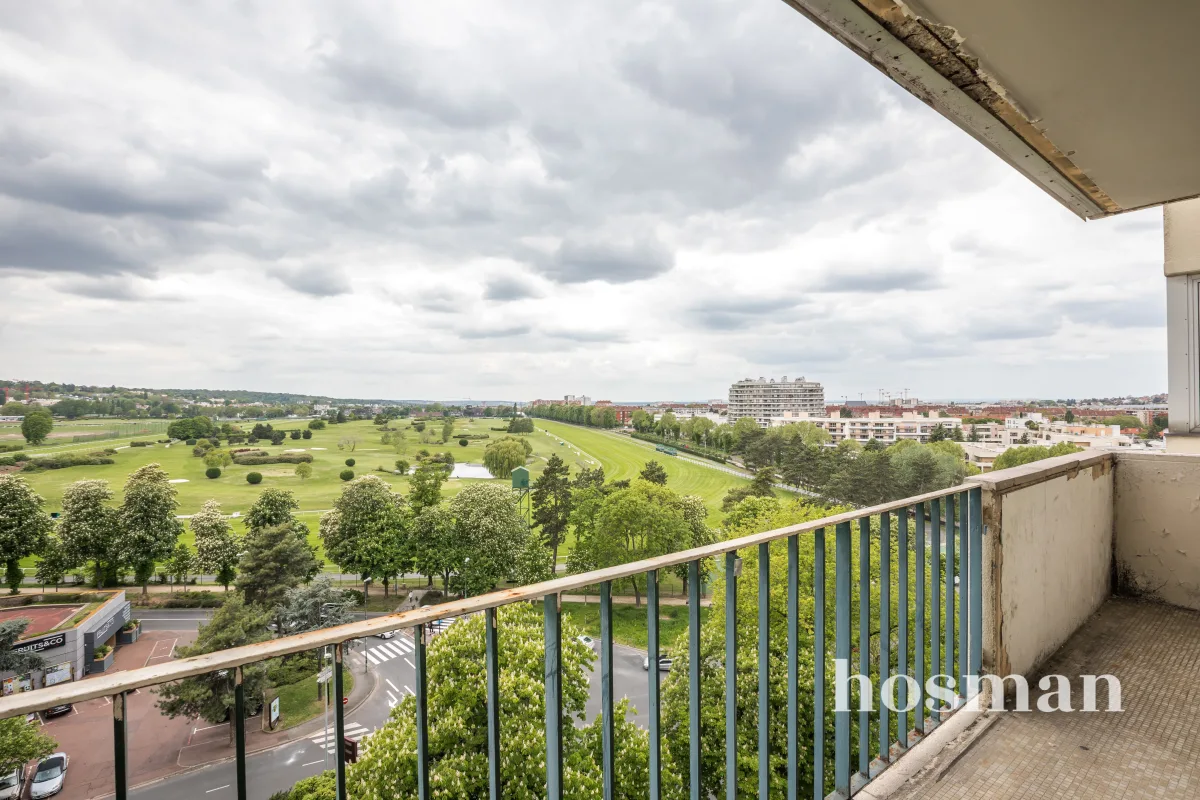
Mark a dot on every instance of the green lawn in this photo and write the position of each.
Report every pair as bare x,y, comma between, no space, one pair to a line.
299,702
629,622
623,457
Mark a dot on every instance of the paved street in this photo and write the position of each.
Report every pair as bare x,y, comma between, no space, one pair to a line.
269,771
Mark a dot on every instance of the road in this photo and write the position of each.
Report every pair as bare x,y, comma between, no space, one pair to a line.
270,771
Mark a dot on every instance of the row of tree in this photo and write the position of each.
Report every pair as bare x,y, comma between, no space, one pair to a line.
595,416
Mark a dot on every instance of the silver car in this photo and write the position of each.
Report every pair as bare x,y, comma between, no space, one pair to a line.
48,780
664,663
11,784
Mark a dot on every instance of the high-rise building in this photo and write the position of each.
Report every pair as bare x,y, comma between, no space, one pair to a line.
762,399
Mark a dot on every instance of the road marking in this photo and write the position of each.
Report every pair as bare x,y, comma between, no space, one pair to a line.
172,619
374,661
219,788
406,661
209,727
389,683
409,690
328,741
318,761
392,700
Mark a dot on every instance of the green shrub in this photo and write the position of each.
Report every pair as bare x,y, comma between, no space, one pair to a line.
10,448
356,595
278,458
349,462
190,442
212,472
101,652
306,434
141,444
193,600
248,451
316,424
463,442
346,475
402,466
64,460
14,459
253,477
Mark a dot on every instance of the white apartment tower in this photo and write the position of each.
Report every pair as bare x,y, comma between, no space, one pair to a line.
762,399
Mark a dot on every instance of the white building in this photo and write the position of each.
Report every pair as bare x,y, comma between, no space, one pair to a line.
763,399
886,430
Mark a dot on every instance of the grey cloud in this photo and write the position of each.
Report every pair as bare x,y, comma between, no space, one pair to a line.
118,288
880,279
316,280
495,332
1131,312
510,287
579,261
1000,330
586,337
736,313
74,246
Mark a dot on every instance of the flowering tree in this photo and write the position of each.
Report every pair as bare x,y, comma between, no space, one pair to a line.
149,529
367,530
24,527
217,547
90,530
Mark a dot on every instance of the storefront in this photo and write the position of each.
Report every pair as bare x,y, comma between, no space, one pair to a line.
67,654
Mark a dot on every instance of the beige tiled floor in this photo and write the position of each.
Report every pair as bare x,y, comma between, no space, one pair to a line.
1150,750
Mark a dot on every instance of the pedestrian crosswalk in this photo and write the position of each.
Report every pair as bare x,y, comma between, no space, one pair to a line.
327,740
392,648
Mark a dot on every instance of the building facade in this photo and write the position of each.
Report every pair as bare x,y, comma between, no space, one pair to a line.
874,426
763,399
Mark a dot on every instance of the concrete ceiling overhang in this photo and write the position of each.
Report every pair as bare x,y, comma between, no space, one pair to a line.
1096,101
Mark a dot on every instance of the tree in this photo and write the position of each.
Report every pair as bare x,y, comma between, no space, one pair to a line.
315,605
425,485
458,702
642,521
303,470
761,486
52,562
89,530
210,695
276,558
217,547
938,433
306,434
366,532
24,527
402,466
520,425
20,741
294,434
190,428
273,507
551,498
1069,416
447,429
434,545
503,456
148,525
37,426
316,425
218,458
654,472
492,535
1016,456
179,565
10,660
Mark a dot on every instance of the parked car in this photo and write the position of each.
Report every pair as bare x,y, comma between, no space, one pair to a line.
48,780
589,641
386,634
664,663
11,784
57,711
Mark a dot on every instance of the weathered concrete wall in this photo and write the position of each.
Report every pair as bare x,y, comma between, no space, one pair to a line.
1047,555
1157,550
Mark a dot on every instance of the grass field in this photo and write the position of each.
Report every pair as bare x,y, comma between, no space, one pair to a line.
629,622
623,457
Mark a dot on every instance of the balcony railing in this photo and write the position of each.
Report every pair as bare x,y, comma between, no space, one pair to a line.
929,555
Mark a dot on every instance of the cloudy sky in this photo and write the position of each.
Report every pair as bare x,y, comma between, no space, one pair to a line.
631,200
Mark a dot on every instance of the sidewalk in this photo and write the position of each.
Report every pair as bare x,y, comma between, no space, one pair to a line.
216,746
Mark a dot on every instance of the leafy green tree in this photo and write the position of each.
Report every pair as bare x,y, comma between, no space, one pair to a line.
210,696
425,485
761,486
315,605
273,507
503,456
654,472
89,530
551,498
21,742
457,702
303,470
492,535
316,425
434,544
37,426
52,562
179,565
149,529
520,425
276,558
24,526
1016,456
1069,416
217,547
218,458
12,631
367,530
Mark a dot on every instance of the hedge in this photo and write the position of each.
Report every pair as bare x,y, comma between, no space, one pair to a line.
253,477
11,460
141,444
279,458
63,461
11,448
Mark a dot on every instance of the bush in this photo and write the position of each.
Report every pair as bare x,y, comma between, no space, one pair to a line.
64,460
248,451
306,434
277,437
101,652
278,458
253,477
130,625
463,442
402,466
316,424
349,462
193,600
190,442
356,595
346,475
141,444
10,448
294,434
15,458
212,472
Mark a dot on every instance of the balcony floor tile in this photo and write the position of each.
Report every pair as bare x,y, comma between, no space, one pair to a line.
1149,750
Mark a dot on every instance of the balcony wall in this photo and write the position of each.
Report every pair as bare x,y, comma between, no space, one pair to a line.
1157,552
1048,538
